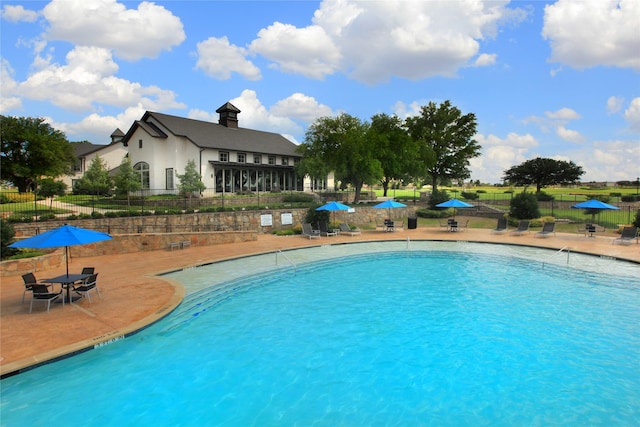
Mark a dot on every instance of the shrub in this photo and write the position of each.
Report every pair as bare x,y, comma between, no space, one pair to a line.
430,213
298,198
544,197
7,234
48,217
615,194
96,215
636,222
628,198
469,195
524,206
314,217
437,197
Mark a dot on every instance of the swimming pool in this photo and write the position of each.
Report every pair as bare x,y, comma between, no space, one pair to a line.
366,334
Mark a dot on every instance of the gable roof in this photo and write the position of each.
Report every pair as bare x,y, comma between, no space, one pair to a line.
215,136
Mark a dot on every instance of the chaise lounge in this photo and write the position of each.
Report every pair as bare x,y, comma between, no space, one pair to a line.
627,236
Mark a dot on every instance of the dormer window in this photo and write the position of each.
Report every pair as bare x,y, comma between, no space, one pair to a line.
242,158
224,156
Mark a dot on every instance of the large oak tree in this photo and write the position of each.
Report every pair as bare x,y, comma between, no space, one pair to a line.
543,172
340,144
445,137
32,149
397,152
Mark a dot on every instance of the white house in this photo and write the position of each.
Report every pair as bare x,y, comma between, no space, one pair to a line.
111,154
230,159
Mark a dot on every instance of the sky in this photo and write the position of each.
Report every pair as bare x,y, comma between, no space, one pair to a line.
557,79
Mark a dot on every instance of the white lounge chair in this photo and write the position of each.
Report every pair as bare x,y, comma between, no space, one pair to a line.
344,228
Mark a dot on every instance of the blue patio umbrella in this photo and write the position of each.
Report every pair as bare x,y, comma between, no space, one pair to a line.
333,206
390,204
594,206
454,203
66,236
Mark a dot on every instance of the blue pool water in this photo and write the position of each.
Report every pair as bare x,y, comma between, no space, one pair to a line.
421,337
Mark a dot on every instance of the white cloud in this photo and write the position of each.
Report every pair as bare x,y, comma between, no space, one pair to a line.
301,107
372,41
500,154
18,14
485,59
8,102
131,33
308,51
608,160
218,59
569,135
589,33
88,79
614,104
632,115
97,128
563,114
288,116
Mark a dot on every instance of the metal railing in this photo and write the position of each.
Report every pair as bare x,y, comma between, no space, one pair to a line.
564,248
293,264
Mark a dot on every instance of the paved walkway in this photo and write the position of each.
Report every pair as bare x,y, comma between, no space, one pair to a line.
134,297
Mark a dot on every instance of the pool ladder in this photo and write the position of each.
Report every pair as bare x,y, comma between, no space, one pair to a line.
293,264
564,248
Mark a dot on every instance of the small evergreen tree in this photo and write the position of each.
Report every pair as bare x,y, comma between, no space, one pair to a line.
127,180
96,179
48,187
190,181
524,206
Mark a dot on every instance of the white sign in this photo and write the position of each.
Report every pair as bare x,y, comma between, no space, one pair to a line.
266,220
286,218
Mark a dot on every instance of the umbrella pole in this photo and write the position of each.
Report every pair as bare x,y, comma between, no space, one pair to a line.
66,258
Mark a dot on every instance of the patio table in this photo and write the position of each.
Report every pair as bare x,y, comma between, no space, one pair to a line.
66,280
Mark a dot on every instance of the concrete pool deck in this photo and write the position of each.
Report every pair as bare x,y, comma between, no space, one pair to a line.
133,297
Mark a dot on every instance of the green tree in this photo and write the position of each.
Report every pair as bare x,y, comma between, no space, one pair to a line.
191,180
48,187
524,206
543,172
32,149
7,233
126,180
340,144
96,179
396,151
446,141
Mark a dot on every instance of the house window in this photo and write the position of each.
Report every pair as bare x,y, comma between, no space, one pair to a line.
242,158
142,170
272,160
224,156
285,161
139,143
257,159
169,178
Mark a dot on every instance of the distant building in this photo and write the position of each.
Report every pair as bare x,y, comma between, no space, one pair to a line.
111,154
230,159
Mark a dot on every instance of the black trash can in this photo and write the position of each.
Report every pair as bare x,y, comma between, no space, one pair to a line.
412,223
